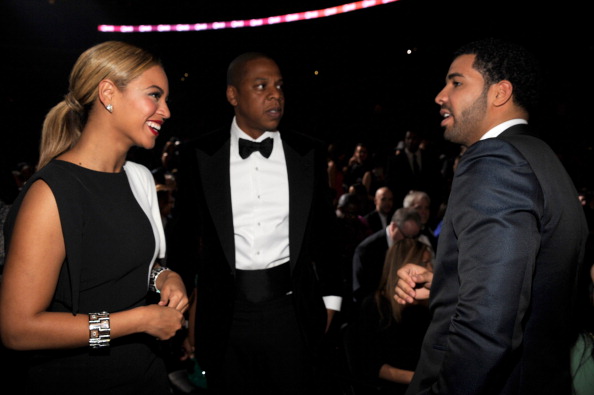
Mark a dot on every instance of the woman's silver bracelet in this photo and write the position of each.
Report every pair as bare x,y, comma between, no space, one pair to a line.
99,330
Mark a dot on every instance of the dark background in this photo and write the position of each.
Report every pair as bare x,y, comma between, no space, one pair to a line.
367,89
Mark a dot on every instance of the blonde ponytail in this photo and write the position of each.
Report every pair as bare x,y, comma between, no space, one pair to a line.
62,128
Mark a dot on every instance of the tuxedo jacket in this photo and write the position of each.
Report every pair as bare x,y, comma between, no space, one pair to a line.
512,240
204,205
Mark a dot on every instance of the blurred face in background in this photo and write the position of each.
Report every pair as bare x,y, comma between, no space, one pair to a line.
384,200
421,204
361,153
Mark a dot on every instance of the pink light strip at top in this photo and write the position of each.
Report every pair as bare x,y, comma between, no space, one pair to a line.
272,20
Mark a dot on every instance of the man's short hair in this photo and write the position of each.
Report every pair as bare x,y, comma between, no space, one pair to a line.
413,195
236,69
499,60
405,214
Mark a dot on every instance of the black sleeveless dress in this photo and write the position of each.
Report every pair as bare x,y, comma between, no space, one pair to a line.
109,248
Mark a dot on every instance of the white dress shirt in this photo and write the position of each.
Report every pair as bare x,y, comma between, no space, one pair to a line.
383,219
260,202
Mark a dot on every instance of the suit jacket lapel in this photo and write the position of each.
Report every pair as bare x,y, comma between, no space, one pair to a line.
214,171
301,178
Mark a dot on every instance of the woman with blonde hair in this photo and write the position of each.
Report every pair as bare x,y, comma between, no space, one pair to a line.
85,234
389,334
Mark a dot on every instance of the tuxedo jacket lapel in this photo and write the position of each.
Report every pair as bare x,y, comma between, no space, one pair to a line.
300,174
214,172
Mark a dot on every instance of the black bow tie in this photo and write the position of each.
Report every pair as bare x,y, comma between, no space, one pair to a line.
246,147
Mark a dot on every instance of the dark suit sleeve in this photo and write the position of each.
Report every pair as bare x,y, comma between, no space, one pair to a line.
496,207
325,235
186,228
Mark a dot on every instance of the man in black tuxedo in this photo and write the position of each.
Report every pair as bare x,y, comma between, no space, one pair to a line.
513,240
268,279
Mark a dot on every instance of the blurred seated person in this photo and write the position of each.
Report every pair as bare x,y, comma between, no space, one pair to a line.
362,193
376,177
380,217
166,202
414,168
388,336
353,229
370,254
337,161
420,201
358,166
23,171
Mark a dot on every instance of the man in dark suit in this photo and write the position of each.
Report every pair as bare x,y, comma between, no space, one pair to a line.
513,239
420,201
380,217
414,168
370,254
268,279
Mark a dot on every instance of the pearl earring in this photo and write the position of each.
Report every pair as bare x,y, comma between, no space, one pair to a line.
109,108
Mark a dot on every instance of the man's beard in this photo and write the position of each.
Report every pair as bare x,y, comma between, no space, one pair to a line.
464,127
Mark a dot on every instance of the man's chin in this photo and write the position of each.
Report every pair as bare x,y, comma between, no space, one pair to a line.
272,127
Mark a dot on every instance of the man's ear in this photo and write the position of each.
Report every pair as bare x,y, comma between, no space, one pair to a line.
393,228
232,95
503,92
107,91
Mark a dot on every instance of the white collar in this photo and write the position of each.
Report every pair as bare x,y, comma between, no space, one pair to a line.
497,130
237,133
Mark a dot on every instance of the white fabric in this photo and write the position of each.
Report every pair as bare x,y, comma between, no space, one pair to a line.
383,219
332,302
260,202
497,130
143,187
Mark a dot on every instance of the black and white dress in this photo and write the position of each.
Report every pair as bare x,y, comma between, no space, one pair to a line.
111,244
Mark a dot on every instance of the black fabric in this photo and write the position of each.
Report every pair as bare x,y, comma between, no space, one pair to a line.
266,354
109,247
257,286
416,167
247,147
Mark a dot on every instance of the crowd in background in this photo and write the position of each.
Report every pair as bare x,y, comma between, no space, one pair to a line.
367,186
